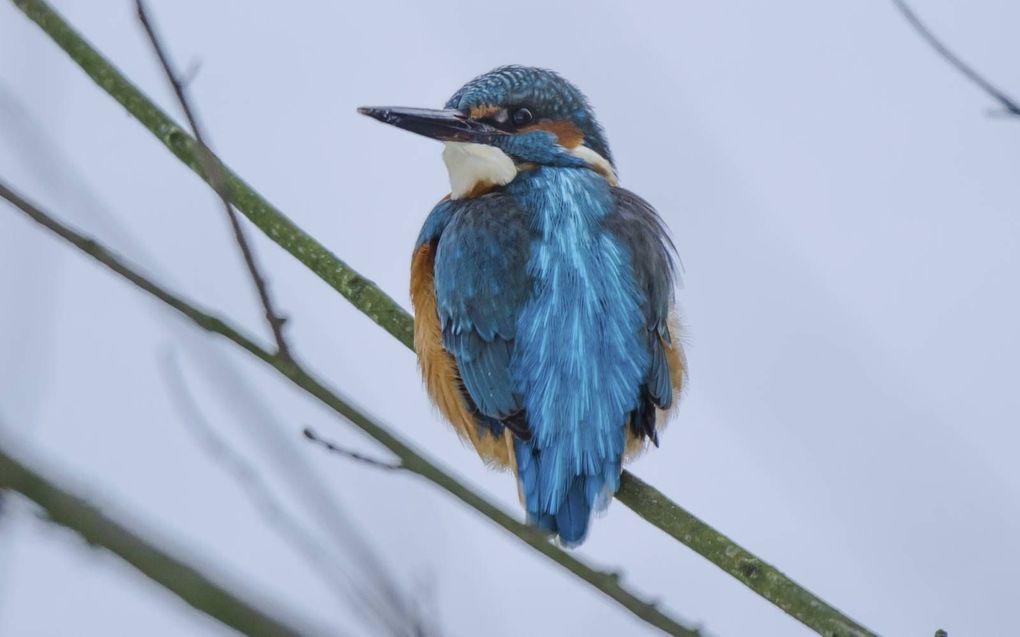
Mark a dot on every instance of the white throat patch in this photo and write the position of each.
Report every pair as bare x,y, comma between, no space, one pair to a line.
476,165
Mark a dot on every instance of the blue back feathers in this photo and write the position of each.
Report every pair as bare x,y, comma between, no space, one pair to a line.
579,358
553,295
481,283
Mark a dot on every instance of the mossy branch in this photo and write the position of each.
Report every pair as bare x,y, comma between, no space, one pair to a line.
759,576
644,500
410,460
97,529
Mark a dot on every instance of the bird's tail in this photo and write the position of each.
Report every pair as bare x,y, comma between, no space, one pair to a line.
558,500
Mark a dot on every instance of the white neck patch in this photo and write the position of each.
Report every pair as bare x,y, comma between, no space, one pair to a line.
478,165
598,163
473,165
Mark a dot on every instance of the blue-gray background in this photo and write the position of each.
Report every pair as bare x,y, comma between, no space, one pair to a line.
847,213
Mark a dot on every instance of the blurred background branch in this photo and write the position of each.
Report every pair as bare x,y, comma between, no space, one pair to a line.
351,566
608,583
184,581
383,606
1009,105
647,502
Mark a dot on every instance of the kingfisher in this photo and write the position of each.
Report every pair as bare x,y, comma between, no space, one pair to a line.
543,294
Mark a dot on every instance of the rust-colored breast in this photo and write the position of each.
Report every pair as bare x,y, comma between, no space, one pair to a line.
439,369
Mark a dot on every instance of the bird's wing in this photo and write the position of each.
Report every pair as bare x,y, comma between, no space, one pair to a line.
638,227
480,284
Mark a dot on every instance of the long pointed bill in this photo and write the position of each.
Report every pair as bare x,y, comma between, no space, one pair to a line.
445,125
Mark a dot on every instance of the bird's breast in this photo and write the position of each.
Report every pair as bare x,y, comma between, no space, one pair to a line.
579,359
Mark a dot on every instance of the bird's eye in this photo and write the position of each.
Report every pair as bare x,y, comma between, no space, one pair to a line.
522,116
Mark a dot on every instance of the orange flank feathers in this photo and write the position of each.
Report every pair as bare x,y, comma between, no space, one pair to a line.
439,369
677,364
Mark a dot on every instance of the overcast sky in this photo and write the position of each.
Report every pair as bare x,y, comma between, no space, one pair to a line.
847,213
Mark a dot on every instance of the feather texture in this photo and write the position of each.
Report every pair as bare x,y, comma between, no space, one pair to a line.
549,318
438,367
481,284
580,358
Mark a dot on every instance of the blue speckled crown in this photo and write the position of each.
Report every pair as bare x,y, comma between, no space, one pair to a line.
545,92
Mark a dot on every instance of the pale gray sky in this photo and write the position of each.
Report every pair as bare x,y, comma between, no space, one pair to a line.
849,220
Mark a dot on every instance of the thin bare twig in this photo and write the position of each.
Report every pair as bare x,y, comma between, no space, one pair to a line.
350,455
217,180
1010,105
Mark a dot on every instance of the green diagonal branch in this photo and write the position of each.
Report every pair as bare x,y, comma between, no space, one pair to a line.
411,460
177,577
647,502
759,576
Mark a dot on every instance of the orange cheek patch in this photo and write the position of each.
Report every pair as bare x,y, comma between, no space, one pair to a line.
439,369
567,135
483,110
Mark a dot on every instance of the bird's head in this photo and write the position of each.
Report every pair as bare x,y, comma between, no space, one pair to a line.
506,121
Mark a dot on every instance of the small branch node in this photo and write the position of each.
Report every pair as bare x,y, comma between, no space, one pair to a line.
191,73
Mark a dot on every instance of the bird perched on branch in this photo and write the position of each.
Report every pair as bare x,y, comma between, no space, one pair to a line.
543,294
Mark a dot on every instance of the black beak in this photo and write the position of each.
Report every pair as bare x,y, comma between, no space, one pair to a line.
445,125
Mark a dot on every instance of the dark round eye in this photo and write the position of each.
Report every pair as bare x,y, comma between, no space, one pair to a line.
522,116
